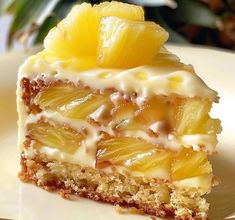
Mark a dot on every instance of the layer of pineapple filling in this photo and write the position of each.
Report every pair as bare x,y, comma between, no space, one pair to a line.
169,122
161,137
185,167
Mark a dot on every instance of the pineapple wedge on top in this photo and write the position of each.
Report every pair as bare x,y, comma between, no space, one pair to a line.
124,43
112,35
82,25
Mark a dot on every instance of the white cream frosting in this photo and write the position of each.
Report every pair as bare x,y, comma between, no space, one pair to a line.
198,142
159,79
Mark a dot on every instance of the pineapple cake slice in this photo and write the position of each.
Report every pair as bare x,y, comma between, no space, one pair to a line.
108,113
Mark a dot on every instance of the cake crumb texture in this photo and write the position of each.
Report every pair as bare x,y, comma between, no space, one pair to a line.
149,196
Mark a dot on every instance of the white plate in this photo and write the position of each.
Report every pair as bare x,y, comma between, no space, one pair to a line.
27,202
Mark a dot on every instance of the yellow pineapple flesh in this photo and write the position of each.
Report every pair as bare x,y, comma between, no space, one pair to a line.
189,163
76,37
55,97
179,115
153,111
81,108
118,151
54,136
124,43
151,161
191,116
70,101
120,9
138,155
124,111
111,34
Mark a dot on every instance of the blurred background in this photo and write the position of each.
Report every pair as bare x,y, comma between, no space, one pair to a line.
203,22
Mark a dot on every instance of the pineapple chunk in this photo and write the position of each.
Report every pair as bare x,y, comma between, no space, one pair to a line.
189,163
59,137
190,115
121,10
118,151
124,111
71,101
151,161
55,97
77,35
123,116
153,111
212,126
125,43
134,154
129,125
81,108
138,155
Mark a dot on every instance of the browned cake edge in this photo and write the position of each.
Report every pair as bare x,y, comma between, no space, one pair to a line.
149,194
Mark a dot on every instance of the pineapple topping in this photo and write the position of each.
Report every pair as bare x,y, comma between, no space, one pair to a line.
111,34
125,43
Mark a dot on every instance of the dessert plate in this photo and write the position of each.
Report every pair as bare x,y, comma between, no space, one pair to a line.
27,202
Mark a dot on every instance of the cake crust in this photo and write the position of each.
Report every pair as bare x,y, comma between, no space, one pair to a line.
47,174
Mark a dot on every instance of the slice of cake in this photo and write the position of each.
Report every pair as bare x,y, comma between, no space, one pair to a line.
106,112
